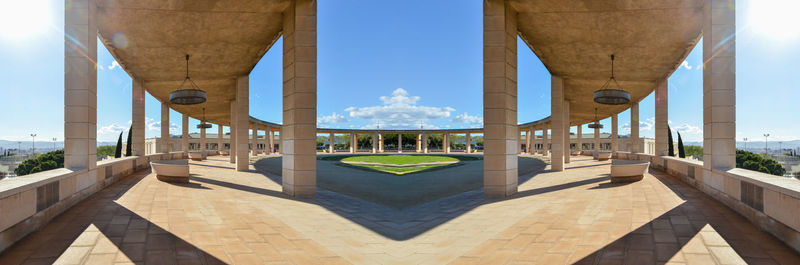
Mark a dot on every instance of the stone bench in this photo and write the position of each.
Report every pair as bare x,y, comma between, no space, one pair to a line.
171,170
224,153
603,156
628,170
196,156
575,153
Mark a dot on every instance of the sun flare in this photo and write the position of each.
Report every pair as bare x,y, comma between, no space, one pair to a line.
23,19
775,19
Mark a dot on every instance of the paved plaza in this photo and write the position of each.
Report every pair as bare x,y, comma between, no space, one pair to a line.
575,216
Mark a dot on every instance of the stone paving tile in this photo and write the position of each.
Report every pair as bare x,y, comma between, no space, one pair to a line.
227,217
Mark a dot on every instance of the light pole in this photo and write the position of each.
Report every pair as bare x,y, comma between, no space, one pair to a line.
745,143
19,147
54,143
33,143
766,143
780,147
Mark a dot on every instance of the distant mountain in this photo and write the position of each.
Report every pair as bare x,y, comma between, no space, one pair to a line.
26,145
759,145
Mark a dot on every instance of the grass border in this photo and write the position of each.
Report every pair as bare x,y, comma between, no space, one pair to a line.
396,174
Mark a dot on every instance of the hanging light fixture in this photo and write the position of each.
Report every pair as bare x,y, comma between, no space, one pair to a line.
187,96
595,125
612,96
203,124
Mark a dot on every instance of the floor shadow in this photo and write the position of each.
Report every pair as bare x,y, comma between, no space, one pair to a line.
586,166
99,216
189,185
699,224
242,187
207,165
558,187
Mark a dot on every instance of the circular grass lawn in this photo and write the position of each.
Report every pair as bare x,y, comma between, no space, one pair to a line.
399,164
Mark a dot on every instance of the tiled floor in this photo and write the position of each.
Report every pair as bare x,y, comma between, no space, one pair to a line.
241,217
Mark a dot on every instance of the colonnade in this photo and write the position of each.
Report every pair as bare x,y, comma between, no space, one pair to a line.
378,143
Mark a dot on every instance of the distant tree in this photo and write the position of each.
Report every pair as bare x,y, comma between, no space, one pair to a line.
118,149
752,161
105,150
44,162
681,150
670,142
693,150
128,144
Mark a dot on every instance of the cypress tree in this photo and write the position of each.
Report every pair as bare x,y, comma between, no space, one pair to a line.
128,145
681,150
118,150
669,142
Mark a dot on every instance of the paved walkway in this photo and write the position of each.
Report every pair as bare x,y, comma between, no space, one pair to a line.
241,217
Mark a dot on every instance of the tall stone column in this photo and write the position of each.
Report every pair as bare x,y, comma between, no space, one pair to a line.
80,92
545,140
185,135
232,137
165,143
399,142
614,134
419,143
380,142
255,140
137,119
469,143
425,143
567,140
634,144
719,90
375,143
579,139
500,98
557,121
519,142
330,143
242,122
353,142
662,145
597,139
270,140
220,135
203,140
446,143
531,141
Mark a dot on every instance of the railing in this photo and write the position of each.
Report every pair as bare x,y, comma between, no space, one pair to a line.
770,202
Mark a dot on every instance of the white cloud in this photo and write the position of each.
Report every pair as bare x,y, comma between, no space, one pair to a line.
686,65
468,119
644,125
331,119
113,65
110,132
399,111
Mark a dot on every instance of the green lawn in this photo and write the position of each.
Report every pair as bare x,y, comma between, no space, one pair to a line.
400,159
399,170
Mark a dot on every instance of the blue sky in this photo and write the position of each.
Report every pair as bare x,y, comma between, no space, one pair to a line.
401,64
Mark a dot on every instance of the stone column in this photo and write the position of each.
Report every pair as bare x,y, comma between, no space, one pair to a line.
380,142
399,142
529,142
353,142
545,140
203,140
242,122
300,98
270,141
419,143
185,135
254,144
557,121
567,140
579,139
499,98
661,122
425,143
80,92
614,134
220,142
232,137
375,143
137,120
634,139
469,143
719,90
164,148
596,139
330,143
519,142
446,143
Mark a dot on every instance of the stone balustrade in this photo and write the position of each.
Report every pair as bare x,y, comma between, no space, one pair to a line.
31,201
769,202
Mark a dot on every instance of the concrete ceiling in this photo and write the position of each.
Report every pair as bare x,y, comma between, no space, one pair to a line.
574,38
225,38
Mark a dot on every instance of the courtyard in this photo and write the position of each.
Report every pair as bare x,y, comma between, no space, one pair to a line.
224,216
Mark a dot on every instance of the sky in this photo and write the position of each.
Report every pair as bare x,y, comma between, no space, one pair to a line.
399,64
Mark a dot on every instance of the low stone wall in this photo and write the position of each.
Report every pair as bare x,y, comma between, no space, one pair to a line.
29,202
770,202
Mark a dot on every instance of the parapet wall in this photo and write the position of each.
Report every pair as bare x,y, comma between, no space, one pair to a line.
29,202
769,202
